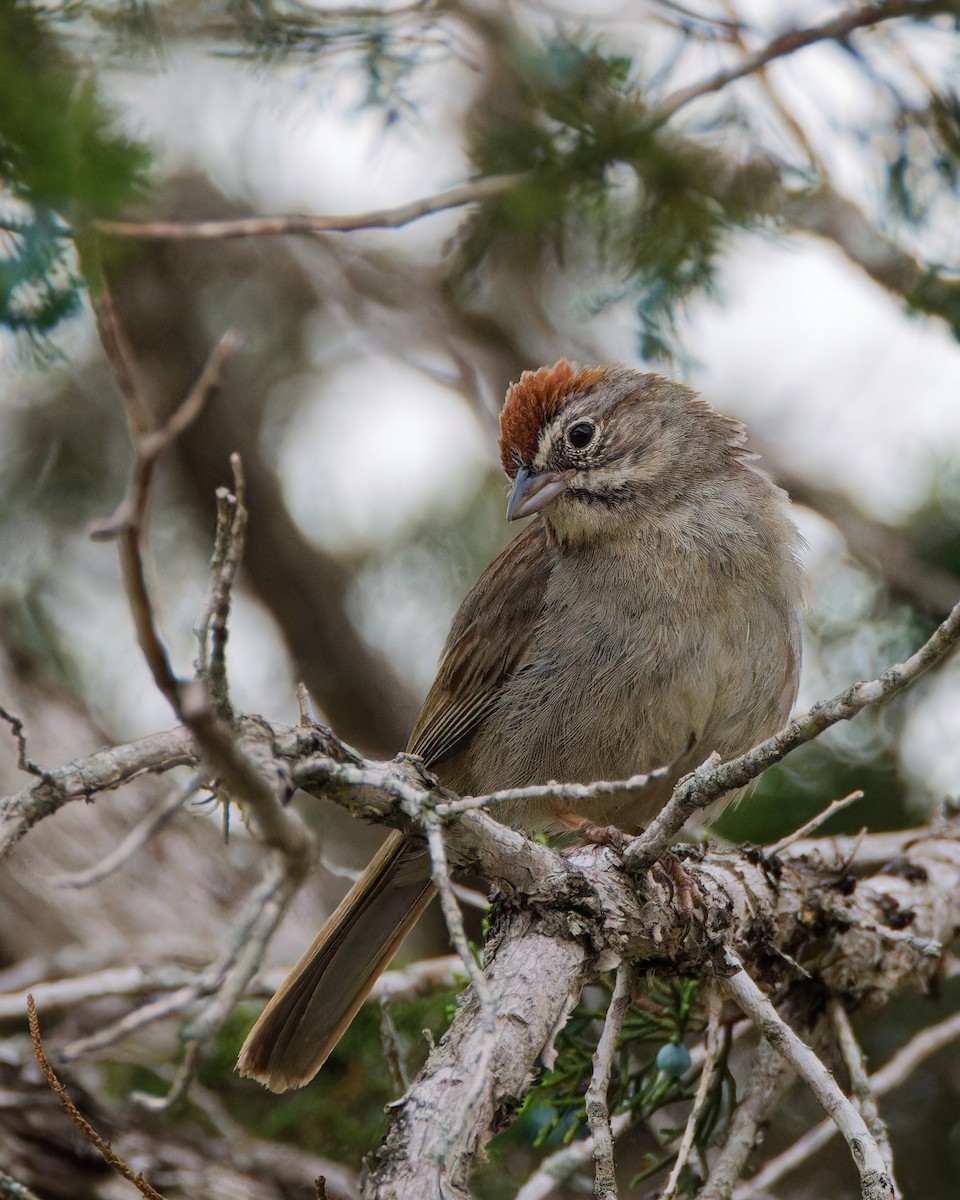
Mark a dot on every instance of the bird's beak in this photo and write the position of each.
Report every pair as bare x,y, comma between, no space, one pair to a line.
530,493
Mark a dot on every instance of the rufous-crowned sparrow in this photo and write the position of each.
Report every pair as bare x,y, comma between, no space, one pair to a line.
645,618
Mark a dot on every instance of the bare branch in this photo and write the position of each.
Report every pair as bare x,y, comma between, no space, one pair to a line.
109,1156
836,29
598,1111
830,215
770,1076
384,218
708,1073
438,1131
24,763
135,840
921,1047
83,778
573,792
212,626
859,1078
711,781
559,1166
815,822
875,1180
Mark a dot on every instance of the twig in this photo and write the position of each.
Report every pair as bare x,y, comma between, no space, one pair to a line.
853,1056
558,1167
126,524
766,83
109,1155
574,792
390,1045
109,983
714,1052
383,218
875,1181
212,626
770,1076
224,979
815,822
895,1072
25,763
598,1110
417,979
836,29
403,983
10,1189
138,837
98,772
454,920
182,1079
711,780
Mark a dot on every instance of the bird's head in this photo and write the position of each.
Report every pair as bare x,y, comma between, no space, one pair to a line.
593,448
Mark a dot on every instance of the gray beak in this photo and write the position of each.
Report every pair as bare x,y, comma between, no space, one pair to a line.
530,493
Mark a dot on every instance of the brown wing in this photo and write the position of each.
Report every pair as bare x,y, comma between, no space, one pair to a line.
489,641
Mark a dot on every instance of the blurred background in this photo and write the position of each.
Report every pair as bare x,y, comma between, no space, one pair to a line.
778,230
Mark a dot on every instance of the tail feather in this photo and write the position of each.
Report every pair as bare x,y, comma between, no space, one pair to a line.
320,997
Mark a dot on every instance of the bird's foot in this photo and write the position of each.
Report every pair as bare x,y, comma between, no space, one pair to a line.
595,835
684,892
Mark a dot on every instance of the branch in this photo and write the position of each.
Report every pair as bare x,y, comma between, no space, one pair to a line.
85,777
711,781
112,1159
826,213
598,1111
433,1141
384,218
921,1047
713,1054
875,1180
836,29
770,1076
860,1087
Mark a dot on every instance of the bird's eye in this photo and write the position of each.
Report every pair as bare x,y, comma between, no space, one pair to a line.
581,434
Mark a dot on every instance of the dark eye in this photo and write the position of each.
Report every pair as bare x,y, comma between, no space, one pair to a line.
581,434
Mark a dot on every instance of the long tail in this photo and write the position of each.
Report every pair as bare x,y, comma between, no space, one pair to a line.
320,997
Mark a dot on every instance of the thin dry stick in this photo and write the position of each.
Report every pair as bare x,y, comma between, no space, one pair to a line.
390,1045
713,1044
574,792
83,778
781,109
126,524
770,1076
558,1167
875,1181
107,1153
458,936
182,1079
712,780
454,919
223,978
383,218
598,1109
113,982
895,1072
135,840
836,29
212,627
25,763
815,822
853,1056
11,1189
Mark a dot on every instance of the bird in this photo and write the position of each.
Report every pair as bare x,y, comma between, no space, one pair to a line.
646,616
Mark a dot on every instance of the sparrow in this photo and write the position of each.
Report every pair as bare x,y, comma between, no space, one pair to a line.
647,616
